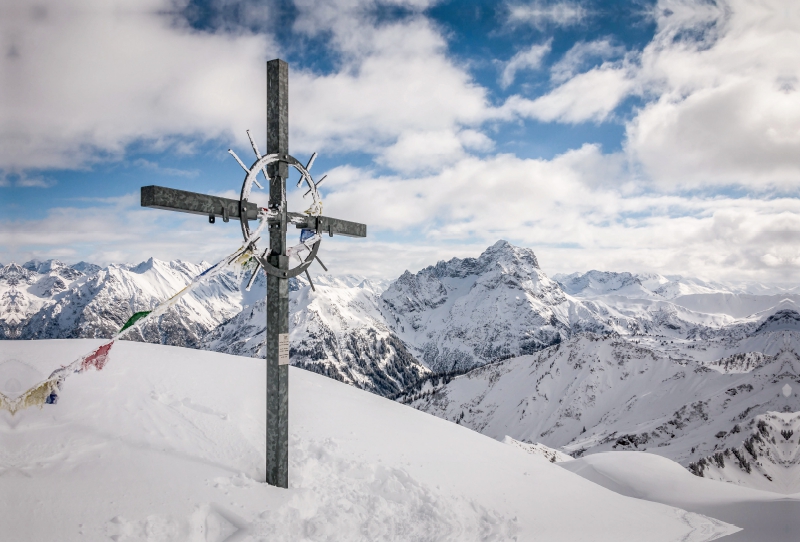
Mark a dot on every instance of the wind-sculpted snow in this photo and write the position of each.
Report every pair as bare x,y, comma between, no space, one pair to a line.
167,445
593,393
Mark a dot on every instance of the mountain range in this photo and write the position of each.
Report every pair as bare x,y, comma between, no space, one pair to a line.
705,373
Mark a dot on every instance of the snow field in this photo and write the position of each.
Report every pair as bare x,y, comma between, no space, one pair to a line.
764,516
167,444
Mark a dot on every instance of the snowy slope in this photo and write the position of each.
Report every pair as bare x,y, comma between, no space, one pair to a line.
598,283
592,394
166,444
450,317
763,516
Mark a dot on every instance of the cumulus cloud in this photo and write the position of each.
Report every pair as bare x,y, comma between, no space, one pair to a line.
574,217
396,92
541,14
727,107
719,85
421,151
589,96
565,208
527,59
87,78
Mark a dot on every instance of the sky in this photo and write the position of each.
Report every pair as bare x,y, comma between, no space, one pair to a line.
633,135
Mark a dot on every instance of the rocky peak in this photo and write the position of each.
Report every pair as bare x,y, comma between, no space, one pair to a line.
86,268
502,254
596,282
144,266
14,274
784,319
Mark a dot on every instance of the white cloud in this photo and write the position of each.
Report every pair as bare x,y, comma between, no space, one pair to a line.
396,80
25,180
728,109
530,59
720,80
541,14
86,78
589,96
578,211
117,230
575,60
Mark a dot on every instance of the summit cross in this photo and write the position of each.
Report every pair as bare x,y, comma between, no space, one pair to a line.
275,261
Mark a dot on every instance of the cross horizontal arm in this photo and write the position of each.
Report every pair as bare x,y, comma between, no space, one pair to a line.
159,197
331,226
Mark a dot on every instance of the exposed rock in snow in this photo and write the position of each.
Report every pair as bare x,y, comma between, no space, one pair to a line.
463,313
388,337
337,331
539,449
767,458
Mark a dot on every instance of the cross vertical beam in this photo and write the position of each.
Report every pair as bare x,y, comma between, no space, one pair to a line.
277,344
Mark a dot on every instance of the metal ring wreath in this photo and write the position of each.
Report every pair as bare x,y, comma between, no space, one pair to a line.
309,239
46,392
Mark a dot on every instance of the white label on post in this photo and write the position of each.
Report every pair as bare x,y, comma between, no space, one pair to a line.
283,349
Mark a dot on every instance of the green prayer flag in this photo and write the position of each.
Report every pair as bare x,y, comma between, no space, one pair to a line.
133,319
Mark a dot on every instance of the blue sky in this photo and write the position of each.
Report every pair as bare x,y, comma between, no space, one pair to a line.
642,136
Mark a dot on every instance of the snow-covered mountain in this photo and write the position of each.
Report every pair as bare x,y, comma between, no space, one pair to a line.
461,314
687,401
589,362
450,317
336,330
52,300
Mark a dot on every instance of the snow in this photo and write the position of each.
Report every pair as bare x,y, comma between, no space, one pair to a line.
539,449
592,394
763,516
167,443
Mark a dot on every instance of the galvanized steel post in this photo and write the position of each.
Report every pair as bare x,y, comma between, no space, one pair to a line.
277,345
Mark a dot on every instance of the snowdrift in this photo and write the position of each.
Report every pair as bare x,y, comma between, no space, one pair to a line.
763,515
167,444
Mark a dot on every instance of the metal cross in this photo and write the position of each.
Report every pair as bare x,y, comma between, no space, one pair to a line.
277,344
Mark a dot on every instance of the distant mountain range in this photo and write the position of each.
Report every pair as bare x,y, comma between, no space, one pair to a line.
583,362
